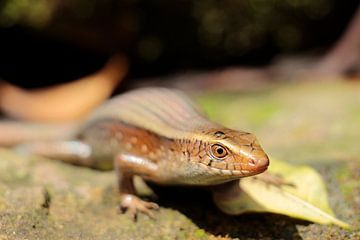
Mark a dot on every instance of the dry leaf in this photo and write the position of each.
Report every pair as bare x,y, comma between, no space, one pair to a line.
307,199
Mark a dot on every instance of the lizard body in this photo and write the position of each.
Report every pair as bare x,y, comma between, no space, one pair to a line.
161,136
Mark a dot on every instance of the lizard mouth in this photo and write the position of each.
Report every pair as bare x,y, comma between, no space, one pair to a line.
261,169
236,173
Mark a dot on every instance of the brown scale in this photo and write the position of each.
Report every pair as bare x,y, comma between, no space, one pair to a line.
142,143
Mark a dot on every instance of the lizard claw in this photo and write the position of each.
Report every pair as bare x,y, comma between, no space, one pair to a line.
133,205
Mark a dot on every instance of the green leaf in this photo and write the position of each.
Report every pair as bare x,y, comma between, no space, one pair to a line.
307,199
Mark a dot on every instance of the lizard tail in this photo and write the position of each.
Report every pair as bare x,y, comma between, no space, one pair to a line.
14,132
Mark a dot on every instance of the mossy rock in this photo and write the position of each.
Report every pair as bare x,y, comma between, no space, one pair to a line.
315,124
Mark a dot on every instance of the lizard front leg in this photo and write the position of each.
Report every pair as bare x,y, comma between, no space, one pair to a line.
126,167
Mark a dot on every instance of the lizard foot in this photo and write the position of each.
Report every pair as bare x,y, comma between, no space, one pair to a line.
133,205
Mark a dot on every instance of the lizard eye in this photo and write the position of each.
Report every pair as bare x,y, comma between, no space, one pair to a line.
218,151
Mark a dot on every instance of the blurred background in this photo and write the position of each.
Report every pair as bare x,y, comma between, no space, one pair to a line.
46,42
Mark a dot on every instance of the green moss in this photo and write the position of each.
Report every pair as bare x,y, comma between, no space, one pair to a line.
200,233
348,184
229,108
262,113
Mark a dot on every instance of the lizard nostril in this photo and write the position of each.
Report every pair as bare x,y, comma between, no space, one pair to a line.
252,161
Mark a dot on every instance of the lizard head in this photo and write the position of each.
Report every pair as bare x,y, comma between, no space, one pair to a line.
233,154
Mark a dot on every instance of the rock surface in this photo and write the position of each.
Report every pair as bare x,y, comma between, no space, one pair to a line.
315,124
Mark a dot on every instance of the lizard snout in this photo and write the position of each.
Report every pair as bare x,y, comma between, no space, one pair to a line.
259,162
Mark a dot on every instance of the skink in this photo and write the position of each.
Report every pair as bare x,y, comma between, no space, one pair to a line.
160,135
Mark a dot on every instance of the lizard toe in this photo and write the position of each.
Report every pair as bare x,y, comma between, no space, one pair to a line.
133,205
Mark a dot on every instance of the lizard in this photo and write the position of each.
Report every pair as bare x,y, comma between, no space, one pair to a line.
156,133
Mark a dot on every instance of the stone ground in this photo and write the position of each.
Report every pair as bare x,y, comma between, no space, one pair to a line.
315,124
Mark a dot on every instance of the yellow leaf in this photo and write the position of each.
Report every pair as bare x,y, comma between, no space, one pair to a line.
306,199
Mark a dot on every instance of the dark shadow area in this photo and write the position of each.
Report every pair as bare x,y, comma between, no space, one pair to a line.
196,204
33,60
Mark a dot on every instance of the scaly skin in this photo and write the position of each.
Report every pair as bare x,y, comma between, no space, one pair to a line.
160,135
